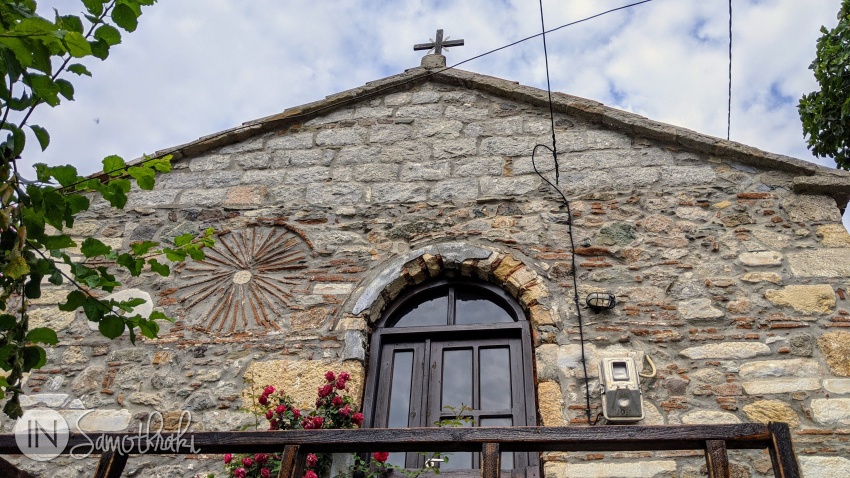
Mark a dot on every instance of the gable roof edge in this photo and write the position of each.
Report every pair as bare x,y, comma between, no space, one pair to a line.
815,179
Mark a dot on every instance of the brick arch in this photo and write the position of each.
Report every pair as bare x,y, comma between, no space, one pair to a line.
461,260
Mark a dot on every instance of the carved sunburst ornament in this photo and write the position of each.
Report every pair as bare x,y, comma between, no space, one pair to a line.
245,280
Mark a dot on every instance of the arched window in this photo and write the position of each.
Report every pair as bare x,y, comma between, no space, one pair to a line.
447,344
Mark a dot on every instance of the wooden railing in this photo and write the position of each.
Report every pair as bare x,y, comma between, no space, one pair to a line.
714,440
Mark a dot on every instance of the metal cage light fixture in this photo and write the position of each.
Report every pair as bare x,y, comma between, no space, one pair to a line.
601,301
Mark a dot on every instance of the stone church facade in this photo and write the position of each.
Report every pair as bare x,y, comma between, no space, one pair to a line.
730,268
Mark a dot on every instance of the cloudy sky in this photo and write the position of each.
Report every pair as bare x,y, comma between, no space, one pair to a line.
195,67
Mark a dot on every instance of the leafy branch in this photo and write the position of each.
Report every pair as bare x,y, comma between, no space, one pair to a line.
35,215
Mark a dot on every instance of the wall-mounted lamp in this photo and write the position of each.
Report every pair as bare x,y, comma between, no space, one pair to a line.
601,300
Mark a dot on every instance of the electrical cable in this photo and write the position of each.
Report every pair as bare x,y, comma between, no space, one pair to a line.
729,96
576,299
549,90
350,100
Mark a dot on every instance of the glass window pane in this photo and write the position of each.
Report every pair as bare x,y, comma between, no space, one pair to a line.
474,307
429,309
457,378
495,378
507,457
400,397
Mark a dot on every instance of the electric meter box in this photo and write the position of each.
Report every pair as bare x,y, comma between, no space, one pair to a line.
621,395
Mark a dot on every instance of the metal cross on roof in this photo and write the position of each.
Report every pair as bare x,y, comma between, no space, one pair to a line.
438,44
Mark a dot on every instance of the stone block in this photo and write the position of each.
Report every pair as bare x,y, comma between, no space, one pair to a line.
374,172
515,186
766,411
833,235
50,317
404,151
257,160
332,117
334,194
439,128
397,99
806,208
434,170
840,386
761,258
98,420
688,175
209,162
508,146
771,239
836,347
177,180
310,319
831,411
203,197
710,417
290,141
551,403
781,368
288,195
466,113
156,198
806,299
246,196
220,179
699,309
599,469
824,466
756,277
454,190
399,192
49,400
821,263
389,133
727,350
266,177
300,378
420,111
780,385
358,155
454,148
340,137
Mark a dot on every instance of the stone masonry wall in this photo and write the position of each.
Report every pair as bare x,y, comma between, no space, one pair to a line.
735,286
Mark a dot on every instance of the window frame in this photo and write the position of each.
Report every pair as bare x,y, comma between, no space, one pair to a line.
477,335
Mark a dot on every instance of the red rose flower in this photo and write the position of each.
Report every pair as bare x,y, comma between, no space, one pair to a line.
345,411
263,400
307,424
317,422
337,401
268,390
296,413
280,409
247,462
357,418
330,377
340,384
240,473
261,458
228,458
273,425
265,473
312,460
325,391
380,456
310,474
345,376
269,415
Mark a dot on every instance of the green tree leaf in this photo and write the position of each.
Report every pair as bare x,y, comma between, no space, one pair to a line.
161,269
60,241
95,7
111,326
16,268
44,88
42,136
66,89
143,247
93,248
34,357
43,335
183,239
113,165
125,17
109,34
79,69
144,177
66,175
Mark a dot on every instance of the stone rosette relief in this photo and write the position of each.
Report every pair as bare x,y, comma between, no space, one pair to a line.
245,282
